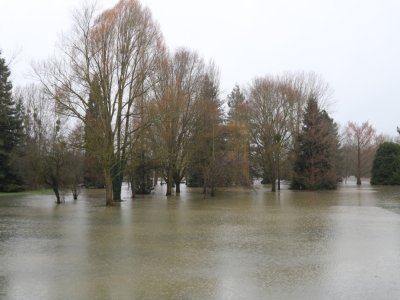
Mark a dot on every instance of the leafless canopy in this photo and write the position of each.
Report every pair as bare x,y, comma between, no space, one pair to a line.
108,61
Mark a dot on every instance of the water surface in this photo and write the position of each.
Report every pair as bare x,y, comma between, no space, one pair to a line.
242,244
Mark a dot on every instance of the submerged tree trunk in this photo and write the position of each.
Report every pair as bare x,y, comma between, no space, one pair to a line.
205,183
169,183
57,193
155,178
132,183
169,188
358,165
279,174
117,179
177,181
211,180
116,188
75,192
273,184
109,187
273,180
212,190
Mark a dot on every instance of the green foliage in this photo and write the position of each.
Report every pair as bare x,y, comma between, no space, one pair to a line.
10,132
386,165
143,173
266,176
315,165
93,172
194,175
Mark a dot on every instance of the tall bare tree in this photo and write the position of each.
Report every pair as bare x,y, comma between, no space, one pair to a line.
143,161
177,104
361,139
111,59
272,105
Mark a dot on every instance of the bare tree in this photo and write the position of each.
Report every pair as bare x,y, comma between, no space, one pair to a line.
305,85
361,138
271,108
47,160
177,104
107,61
75,158
142,158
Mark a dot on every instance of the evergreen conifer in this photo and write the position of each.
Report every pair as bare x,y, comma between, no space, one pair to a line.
386,165
10,131
315,166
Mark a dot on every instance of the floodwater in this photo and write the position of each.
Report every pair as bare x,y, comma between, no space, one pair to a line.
242,244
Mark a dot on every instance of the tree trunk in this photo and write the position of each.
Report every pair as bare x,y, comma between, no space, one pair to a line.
205,183
155,178
358,165
75,193
57,193
273,181
279,174
169,188
212,190
117,178
133,194
212,183
116,188
312,179
109,187
169,183
177,181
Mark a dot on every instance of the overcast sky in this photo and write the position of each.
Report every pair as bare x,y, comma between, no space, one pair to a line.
353,44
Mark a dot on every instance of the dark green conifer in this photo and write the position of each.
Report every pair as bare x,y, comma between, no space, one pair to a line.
10,131
386,165
315,166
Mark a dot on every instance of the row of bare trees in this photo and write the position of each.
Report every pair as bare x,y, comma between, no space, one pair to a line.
359,145
272,110
136,101
138,110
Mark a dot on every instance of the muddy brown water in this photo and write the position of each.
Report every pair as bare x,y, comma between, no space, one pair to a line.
242,244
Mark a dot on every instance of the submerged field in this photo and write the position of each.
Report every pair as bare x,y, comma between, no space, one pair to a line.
242,244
